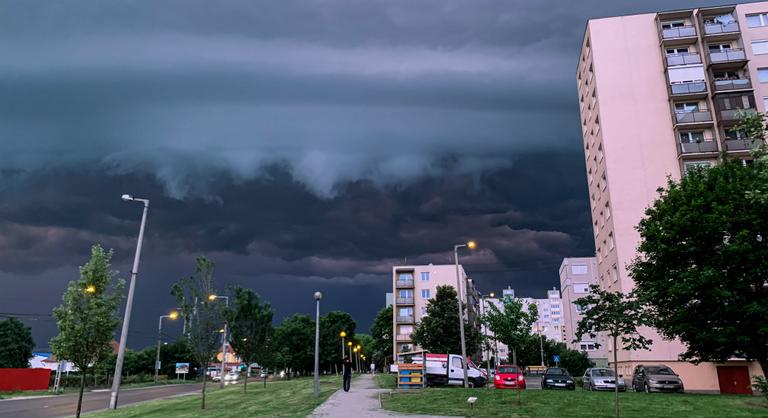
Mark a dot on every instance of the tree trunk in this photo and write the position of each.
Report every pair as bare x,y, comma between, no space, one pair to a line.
616,374
764,365
80,397
245,384
517,383
204,379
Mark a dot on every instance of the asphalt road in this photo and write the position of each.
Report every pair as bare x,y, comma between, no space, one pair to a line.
65,405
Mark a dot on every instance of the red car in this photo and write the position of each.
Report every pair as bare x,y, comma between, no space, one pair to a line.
509,377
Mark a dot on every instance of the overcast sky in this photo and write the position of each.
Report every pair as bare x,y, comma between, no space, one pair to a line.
302,145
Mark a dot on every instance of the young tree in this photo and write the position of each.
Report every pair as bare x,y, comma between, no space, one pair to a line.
331,324
703,262
206,316
88,316
617,315
381,333
250,321
16,344
294,343
511,326
438,333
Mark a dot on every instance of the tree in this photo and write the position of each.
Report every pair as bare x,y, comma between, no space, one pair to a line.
703,258
88,316
619,316
529,353
16,344
438,333
331,324
381,334
294,343
205,315
511,326
250,321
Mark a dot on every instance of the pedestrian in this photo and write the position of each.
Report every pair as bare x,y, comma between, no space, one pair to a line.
373,368
347,373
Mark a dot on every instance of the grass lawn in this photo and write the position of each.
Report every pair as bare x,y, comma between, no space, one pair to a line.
280,399
538,403
386,381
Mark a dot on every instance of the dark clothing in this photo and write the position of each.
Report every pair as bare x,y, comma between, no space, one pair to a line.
347,382
347,374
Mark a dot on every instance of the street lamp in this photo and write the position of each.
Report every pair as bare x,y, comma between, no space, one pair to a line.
223,339
342,334
483,306
349,344
471,245
128,303
316,388
173,315
90,289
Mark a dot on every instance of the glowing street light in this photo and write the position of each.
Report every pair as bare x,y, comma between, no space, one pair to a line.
90,289
342,334
471,245
172,316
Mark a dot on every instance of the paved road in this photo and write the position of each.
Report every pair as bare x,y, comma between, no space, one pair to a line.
533,382
65,405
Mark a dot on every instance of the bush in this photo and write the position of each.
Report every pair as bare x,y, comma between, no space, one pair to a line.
761,385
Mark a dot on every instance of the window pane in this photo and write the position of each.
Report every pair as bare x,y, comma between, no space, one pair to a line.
762,75
754,21
759,47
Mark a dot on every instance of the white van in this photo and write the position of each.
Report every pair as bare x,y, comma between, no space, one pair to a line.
448,369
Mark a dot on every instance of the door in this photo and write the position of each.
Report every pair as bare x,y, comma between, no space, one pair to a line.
455,371
734,379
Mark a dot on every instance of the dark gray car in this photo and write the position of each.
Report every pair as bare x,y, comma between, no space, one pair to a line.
656,378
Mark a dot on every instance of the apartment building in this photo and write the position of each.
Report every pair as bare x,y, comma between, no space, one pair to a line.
660,93
413,287
576,275
549,325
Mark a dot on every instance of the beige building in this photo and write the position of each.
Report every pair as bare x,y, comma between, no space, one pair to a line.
413,287
659,93
576,275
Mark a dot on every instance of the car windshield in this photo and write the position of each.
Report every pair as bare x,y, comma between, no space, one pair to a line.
557,371
602,372
660,370
507,370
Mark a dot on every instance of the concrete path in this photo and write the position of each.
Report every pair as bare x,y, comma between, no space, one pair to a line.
361,401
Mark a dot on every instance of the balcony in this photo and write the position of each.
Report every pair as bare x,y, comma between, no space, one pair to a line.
741,144
682,34
731,116
690,90
715,31
405,319
403,338
683,59
731,85
405,301
693,117
705,145
404,283
728,57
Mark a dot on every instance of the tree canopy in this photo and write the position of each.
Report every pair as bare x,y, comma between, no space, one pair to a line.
250,321
295,343
16,344
512,324
438,331
381,336
331,324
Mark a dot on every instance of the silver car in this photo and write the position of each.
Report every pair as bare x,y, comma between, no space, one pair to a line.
602,379
656,378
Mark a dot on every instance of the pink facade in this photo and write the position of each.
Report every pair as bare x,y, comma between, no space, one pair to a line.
659,92
576,275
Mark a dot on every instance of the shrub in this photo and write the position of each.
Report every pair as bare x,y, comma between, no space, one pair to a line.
761,385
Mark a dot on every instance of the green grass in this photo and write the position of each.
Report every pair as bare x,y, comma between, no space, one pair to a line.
537,403
280,399
386,381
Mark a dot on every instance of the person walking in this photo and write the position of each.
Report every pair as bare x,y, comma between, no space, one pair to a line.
373,368
347,373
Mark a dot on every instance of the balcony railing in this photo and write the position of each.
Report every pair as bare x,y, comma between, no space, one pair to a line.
405,319
683,59
679,32
681,89
719,28
740,144
735,84
706,145
403,337
732,115
405,301
693,116
404,283
726,56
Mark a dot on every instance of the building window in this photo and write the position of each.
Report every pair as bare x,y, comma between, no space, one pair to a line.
425,293
405,276
423,311
694,165
765,103
615,273
611,243
555,306
691,137
757,20
424,276
759,47
607,211
579,269
762,75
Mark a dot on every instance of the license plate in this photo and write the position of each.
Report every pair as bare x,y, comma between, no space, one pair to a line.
560,385
669,386
509,383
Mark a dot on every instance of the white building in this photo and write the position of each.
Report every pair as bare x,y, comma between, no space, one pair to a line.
576,275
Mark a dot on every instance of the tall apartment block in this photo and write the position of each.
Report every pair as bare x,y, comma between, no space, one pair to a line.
576,275
660,93
413,287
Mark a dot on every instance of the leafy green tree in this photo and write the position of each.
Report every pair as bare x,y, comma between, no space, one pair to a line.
206,316
250,321
529,353
16,344
331,324
381,334
617,315
176,352
438,331
88,316
294,343
702,263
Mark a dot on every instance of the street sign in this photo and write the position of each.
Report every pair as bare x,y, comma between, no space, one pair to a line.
556,358
182,368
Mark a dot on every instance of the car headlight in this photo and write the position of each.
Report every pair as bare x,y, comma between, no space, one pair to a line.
549,380
569,381
520,378
653,381
621,381
497,377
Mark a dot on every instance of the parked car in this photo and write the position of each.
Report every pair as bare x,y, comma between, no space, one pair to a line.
656,378
231,377
602,379
557,378
508,376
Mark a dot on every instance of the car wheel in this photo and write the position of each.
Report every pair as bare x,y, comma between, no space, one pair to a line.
471,384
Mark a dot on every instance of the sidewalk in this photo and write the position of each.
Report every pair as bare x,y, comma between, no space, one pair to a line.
361,401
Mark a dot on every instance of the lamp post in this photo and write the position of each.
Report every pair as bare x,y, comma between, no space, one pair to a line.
471,245
316,388
128,304
487,343
357,366
173,315
349,345
359,353
223,339
342,334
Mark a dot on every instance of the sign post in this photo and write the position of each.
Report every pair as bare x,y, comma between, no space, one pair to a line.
183,369
556,359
